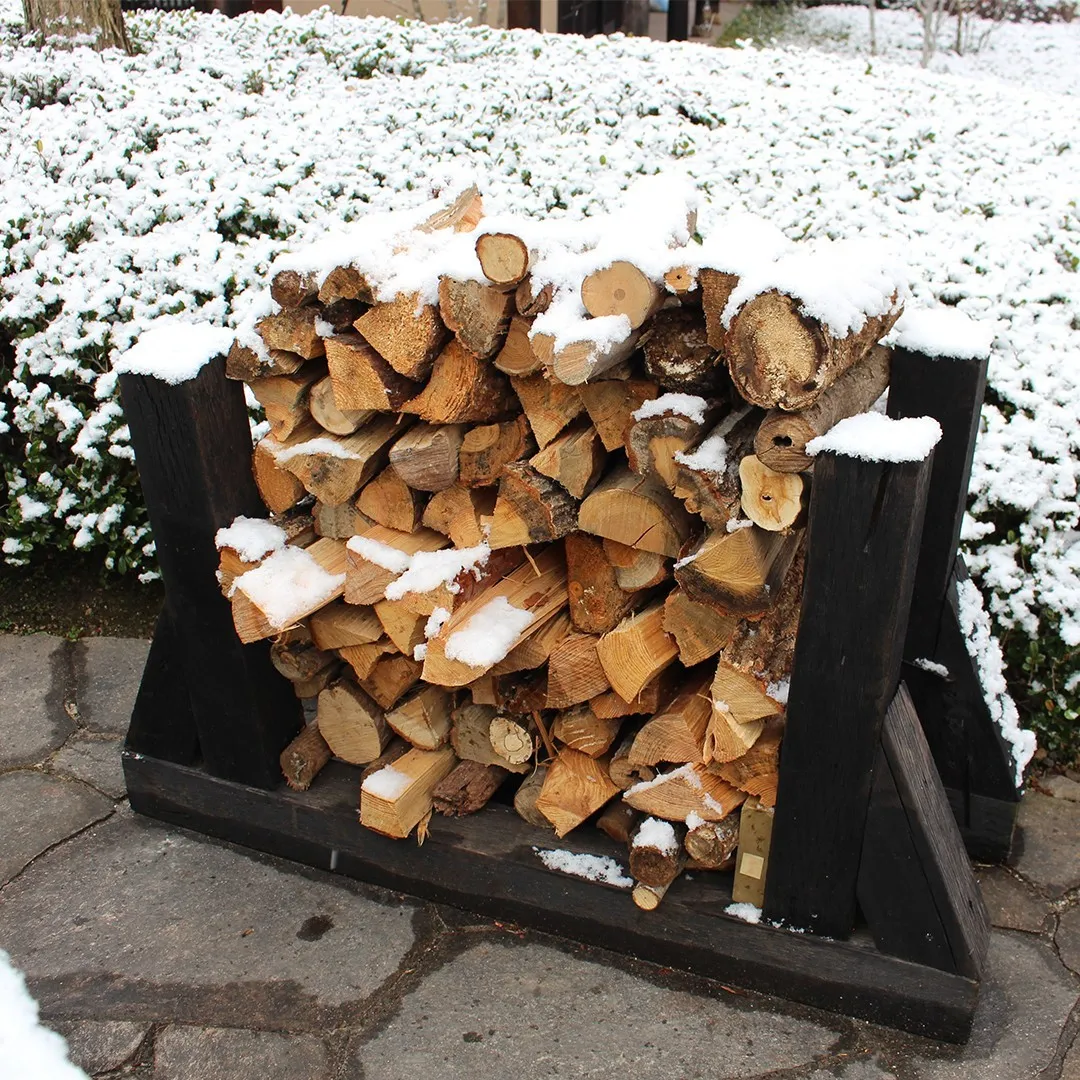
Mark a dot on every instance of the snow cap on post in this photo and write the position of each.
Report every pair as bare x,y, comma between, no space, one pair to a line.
943,332
873,437
174,351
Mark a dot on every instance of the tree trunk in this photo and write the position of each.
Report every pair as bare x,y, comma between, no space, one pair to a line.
102,19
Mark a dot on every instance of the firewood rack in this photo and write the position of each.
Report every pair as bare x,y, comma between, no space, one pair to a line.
888,770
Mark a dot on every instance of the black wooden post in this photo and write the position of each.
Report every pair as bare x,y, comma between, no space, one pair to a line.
678,20
193,450
865,522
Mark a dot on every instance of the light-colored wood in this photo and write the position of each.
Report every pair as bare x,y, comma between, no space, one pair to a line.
245,364
530,509
511,740
459,513
366,580
395,749
530,300
477,314
538,587
757,771
752,860
526,795
335,476
340,624
636,569
426,456
363,658
406,333
423,718
478,576
652,697
596,601
484,691
623,774
404,627
536,649
338,522
620,289
461,215
362,379
467,788
712,844
504,258
420,772
390,678
636,651
280,489
611,405
292,330
517,357
303,759
716,290
345,283
618,821
470,736
575,458
389,501
325,412
578,362
653,865
689,789
487,449
575,673
581,729
285,398
351,723
576,786
462,389
681,280
772,500
676,734
549,405
637,511
653,441
648,897
699,630
313,687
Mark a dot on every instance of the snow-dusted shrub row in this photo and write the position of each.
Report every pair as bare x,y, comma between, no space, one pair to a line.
168,181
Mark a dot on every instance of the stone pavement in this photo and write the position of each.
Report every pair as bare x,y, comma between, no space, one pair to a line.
161,954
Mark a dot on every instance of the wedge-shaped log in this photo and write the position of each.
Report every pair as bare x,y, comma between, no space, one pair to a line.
623,774
757,771
362,379
772,500
404,627
780,357
578,361
462,389
656,852
581,729
479,568
351,723
345,283
462,215
549,405
476,314
467,788
423,718
470,736
677,733
637,511
530,509
303,759
516,357
636,569
531,299
678,355
340,624
285,398
486,450
244,363
459,512
575,673
325,412
596,601
636,651
394,800
699,630
390,502
390,678
363,658
611,405
621,289
575,458
406,333
689,789
652,697
426,456
576,786
504,258
537,648
338,522
292,330
378,555
299,661
292,289
280,489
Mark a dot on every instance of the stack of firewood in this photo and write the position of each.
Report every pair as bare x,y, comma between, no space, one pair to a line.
563,555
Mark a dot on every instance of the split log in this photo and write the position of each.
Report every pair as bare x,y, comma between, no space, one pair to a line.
699,630
338,522
752,860
284,398
299,661
782,437
653,441
245,364
526,795
653,696
292,330
426,456
407,334
362,379
313,687
390,502
484,691
486,450
394,800
618,821
530,509
738,572
575,673
596,601
623,774
470,736
476,314
678,355
611,405
504,258
575,458
378,555
303,759
341,315
537,648
291,289
716,290
648,897
677,733
462,389
396,748
423,718
636,651
757,772
621,289
772,500
345,283
549,405
576,787
581,729
511,740
333,467
459,513
467,788
351,723
517,356
404,627
586,358
531,299
656,852
779,357
462,215
325,412
689,789
391,678
635,569
363,658
712,844
537,588
476,576
637,511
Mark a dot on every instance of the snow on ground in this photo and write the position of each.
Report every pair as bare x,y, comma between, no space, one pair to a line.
167,182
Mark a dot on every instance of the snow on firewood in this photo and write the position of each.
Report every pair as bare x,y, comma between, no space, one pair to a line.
436,621
873,437
322,445
656,833
487,636
389,558
173,350
689,405
289,582
739,243
386,783
598,868
943,332
429,570
251,538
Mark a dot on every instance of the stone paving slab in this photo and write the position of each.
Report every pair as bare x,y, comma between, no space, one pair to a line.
32,722
1067,938
1049,852
1012,903
508,1010
94,761
37,811
136,921
98,1046
108,672
188,1053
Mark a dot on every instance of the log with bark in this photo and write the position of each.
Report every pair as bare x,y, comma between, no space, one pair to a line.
285,398
712,844
477,314
462,388
517,356
527,794
486,450
304,758
470,736
621,289
575,458
325,412
678,355
426,456
638,511
467,788
530,509
656,852
653,442
504,258
699,630
611,405
460,513
596,601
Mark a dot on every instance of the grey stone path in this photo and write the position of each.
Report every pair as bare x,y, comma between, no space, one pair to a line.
161,954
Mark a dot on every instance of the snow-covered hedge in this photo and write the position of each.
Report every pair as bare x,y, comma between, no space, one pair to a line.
168,181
